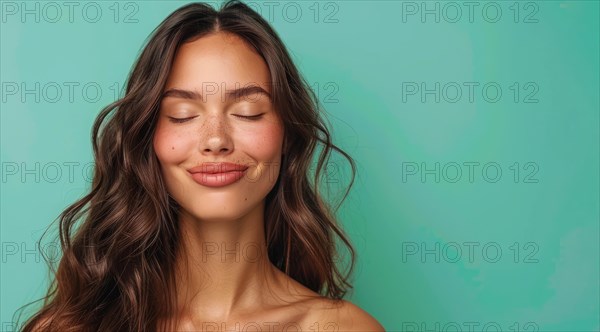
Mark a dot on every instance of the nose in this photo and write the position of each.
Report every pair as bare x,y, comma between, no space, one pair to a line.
215,136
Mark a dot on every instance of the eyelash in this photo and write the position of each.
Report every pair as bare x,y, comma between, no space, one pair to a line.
176,120
249,118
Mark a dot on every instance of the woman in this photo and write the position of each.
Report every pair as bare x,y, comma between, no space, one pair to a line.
201,215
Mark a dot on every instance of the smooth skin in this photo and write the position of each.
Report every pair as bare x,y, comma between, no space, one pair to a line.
230,282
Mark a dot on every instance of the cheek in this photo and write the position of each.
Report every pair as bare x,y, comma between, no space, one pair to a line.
265,149
170,145
265,144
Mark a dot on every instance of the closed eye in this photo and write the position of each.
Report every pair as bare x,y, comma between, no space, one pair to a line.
178,120
251,118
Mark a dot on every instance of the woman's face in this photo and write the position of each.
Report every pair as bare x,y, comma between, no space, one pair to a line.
199,90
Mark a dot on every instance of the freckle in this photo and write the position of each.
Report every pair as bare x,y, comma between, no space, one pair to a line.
245,198
172,148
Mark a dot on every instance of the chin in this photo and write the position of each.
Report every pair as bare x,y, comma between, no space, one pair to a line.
218,212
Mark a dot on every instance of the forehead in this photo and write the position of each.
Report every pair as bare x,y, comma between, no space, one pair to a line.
220,59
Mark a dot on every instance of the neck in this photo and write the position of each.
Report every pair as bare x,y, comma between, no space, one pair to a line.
223,265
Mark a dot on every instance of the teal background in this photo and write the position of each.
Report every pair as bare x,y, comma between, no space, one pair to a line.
359,65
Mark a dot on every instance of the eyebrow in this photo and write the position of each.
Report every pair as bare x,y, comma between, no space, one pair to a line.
229,94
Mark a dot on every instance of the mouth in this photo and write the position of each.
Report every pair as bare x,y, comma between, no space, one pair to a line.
215,168
217,174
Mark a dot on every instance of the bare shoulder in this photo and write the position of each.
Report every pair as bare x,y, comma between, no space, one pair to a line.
330,315
318,313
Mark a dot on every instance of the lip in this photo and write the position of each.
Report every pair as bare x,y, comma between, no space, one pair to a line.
217,174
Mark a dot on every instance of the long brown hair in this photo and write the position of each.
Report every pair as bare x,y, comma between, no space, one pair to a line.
117,269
